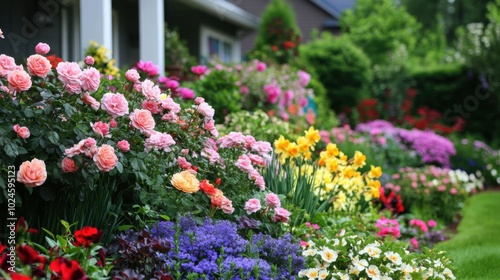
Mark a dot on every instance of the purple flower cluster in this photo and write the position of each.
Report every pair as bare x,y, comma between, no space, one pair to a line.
215,248
431,147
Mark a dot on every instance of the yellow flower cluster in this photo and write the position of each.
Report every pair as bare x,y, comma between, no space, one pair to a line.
334,175
102,63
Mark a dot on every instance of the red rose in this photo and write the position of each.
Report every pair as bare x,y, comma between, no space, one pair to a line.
68,270
28,255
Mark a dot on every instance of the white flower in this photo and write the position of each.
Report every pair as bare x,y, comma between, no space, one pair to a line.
323,274
312,273
373,272
385,277
448,273
328,255
406,268
359,264
493,172
343,276
309,252
394,257
372,250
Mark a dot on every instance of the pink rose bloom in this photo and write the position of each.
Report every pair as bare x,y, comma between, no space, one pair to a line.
227,206
252,206
304,78
206,110
272,200
169,104
244,164
185,151
244,90
151,106
148,67
32,173
199,69
76,149
442,188
259,182
137,87
171,84
112,123
90,79
261,66
142,120
273,92
89,100
212,155
89,60
219,67
159,141
132,76
414,243
431,223
38,65
19,80
257,160
114,104
69,74
233,139
183,163
170,117
100,128
210,125
7,64
281,215
16,127
150,90
262,147
453,191
199,100
68,165
1,34
23,132
186,93
42,48
105,158
123,145
214,132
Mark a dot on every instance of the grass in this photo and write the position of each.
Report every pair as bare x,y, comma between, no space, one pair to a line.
475,250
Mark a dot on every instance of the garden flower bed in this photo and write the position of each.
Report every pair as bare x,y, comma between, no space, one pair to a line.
128,177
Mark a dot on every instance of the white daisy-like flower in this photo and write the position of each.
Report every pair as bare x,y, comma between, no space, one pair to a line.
395,258
372,250
406,268
323,274
360,264
309,252
312,273
448,273
328,255
343,276
373,272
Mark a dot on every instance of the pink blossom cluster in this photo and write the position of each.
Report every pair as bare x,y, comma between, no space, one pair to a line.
423,226
431,178
147,67
77,81
22,131
104,156
272,201
256,153
388,227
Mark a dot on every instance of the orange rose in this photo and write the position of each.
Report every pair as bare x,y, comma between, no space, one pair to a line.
186,182
105,158
32,174
142,120
19,80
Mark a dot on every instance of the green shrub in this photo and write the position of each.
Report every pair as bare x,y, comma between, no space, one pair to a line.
342,68
220,91
325,118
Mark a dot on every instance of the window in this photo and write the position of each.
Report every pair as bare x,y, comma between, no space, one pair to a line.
218,45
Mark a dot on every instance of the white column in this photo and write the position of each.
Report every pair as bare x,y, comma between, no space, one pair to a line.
96,23
152,33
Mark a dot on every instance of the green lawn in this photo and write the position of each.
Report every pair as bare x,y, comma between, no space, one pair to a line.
475,250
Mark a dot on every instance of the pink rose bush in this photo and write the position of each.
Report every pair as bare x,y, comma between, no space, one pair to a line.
102,134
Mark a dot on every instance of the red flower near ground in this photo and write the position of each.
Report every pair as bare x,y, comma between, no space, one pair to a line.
87,235
391,201
15,276
67,270
289,45
208,188
28,255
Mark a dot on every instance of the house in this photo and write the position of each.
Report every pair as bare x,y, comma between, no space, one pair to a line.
322,15
131,29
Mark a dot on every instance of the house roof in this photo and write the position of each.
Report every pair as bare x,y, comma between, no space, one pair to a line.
226,11
334,7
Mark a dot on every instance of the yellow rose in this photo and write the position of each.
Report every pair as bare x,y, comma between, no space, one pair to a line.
186,182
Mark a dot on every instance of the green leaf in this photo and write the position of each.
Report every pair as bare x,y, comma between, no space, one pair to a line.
119,167
125,227
29,113
53,137
22,150
69,110
11,150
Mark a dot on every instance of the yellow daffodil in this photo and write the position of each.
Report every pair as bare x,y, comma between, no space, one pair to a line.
359,159
312,136
332,150
375,172
281,145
